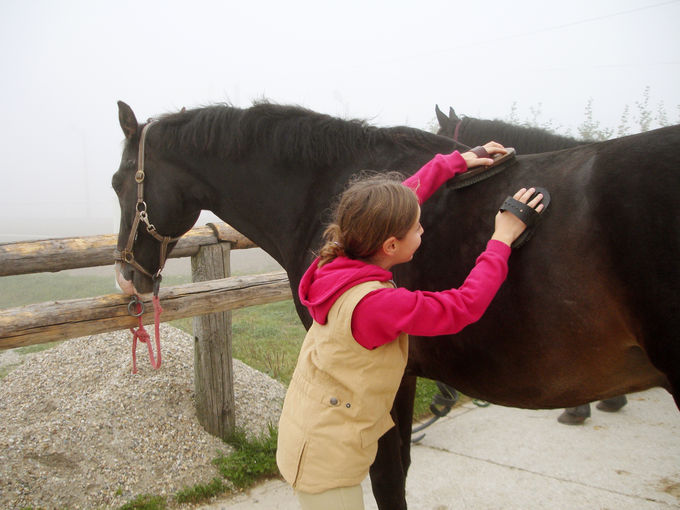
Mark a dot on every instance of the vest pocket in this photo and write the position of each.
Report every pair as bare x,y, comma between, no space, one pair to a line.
300,462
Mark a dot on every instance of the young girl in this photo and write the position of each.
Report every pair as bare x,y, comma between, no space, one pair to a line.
354,355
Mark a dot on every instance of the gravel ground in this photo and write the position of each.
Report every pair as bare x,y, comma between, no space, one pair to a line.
78,430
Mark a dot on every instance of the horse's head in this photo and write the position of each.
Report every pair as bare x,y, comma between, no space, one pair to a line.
447,125
154,208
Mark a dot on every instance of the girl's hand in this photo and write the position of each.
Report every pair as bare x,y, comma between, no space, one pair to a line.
508,226
472,160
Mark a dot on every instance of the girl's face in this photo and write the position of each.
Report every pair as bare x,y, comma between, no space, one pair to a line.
407,245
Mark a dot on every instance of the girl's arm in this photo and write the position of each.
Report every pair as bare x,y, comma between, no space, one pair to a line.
435,173
442,167
383,314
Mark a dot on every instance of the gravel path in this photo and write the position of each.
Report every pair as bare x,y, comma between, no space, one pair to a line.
77,430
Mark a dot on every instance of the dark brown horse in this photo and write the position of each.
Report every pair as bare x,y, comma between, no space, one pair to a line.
591,305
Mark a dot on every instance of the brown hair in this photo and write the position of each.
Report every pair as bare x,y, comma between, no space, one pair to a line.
372,209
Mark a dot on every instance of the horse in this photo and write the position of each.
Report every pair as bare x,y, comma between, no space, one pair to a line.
590,308
524,139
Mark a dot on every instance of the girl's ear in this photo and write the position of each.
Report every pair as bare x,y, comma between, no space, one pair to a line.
389,246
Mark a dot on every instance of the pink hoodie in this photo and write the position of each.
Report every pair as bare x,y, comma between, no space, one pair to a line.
383,314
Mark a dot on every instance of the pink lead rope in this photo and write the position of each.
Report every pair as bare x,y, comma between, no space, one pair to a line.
143,336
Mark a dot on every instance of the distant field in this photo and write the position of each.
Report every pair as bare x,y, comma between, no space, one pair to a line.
89,282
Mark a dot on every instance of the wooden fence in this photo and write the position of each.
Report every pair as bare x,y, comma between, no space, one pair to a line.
208,299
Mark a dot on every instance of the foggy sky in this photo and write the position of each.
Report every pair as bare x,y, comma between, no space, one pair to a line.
65,64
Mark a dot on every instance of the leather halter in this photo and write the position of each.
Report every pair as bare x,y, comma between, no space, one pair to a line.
126,256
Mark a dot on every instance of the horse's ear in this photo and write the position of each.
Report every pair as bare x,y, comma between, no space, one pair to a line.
452,115
127,119
441,117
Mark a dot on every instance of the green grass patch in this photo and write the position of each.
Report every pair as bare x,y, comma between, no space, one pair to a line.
425,390
28,289
6,369
200,493
252,460
37,288
37,347
146,502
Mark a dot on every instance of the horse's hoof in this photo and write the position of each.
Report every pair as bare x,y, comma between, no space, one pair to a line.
569,419
611,405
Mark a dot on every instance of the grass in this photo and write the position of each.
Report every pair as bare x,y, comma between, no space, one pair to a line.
146,502
202,492
253,459
37,288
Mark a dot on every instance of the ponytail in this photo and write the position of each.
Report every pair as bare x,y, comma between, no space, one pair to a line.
333,246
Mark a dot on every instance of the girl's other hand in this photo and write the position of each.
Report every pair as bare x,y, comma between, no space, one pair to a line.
508,226
473,160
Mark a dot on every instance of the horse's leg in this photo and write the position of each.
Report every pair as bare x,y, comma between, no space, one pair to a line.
388,472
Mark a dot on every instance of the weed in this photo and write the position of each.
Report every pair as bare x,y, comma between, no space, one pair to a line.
199,493
29,349
254,458
145,502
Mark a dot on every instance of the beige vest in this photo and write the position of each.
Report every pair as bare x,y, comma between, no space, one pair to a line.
338,402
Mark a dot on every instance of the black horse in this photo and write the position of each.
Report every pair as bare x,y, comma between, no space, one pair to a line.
591,305
525,139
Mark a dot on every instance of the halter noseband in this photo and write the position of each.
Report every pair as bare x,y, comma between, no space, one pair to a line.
126,256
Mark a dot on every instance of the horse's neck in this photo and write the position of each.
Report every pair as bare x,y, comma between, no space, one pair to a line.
524,140
283,208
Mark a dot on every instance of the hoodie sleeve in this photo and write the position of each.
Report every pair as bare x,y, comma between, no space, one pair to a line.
435,173
383,314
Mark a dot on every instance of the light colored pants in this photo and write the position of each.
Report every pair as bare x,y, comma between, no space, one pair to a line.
343,498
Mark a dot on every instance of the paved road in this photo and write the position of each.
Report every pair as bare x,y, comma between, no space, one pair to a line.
512,459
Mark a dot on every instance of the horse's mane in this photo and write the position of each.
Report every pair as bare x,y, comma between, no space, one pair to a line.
290,133
524,138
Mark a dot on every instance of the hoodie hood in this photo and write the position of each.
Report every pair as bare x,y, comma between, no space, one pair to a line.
321,287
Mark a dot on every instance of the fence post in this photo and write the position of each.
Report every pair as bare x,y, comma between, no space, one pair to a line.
213,373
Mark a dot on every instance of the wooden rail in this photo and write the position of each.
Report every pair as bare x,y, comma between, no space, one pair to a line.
53,255
60,320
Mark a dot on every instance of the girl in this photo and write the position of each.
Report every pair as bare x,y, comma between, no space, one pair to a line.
354,355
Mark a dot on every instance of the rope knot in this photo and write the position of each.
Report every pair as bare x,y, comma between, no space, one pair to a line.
142,334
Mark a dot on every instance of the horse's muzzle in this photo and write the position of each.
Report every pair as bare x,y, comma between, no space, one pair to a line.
126,286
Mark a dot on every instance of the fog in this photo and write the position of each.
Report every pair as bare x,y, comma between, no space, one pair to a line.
66,63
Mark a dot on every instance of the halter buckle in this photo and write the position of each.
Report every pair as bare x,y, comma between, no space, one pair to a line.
157,282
